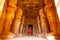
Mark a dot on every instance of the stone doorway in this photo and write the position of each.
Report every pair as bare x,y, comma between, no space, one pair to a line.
30,29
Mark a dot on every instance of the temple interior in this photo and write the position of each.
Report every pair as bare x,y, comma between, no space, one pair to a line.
29,19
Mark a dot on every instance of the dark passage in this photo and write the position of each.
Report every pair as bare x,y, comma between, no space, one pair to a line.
30,29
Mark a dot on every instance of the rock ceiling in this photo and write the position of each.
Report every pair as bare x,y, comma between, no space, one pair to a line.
30,7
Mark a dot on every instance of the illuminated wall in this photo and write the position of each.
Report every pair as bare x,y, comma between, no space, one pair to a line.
57,3
1,6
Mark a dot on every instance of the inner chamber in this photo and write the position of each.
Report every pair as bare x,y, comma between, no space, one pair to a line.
30,21
33,18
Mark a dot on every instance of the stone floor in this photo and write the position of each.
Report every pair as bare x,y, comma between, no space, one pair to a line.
27,38
31,37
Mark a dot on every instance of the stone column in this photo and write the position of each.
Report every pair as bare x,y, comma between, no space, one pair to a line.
21,28
43,19
52,16
9,16
10,13
17,22
39,24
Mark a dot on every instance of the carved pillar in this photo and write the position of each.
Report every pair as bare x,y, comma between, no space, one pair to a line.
9,16
52,16
10,13
17,22
39,24
43,19
21,28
